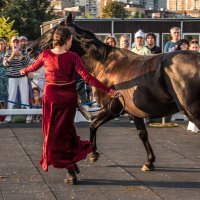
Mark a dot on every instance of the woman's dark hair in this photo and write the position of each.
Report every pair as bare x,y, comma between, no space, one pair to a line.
112,38
36,89
180,42
61,35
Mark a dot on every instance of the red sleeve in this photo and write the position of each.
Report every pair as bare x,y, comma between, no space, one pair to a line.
36,65
87,77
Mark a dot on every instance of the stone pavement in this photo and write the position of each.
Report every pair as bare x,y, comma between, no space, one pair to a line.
115,176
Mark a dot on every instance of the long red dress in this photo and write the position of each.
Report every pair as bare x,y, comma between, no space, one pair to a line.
62,148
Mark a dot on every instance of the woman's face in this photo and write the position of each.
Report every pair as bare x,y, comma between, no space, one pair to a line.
14,44
2,46
194,47
184,46
36,94
110,41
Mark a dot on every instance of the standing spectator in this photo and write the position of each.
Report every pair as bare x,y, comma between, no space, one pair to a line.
151,43
139,48
183,44
124,42
194,45
110,41
3,77
23,43
15,60
171,45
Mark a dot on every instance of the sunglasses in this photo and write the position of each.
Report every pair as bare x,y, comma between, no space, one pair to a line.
176,32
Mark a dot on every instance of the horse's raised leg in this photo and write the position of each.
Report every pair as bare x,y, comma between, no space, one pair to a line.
100,119
143,134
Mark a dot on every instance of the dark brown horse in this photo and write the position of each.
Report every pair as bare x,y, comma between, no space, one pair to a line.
152,86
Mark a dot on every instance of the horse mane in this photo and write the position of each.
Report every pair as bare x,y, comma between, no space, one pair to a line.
92,45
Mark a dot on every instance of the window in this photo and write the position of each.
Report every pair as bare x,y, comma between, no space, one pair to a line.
190,36
102,36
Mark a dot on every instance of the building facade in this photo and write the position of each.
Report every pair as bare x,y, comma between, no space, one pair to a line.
183,5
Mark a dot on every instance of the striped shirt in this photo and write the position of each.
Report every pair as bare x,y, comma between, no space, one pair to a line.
13,67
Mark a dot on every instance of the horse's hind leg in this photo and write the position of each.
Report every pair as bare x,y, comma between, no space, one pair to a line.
143,134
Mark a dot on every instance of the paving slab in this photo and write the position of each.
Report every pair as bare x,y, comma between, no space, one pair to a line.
115,176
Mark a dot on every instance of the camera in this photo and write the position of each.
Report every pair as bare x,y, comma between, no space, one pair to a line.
16,48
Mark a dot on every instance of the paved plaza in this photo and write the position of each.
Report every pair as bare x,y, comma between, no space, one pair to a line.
115,176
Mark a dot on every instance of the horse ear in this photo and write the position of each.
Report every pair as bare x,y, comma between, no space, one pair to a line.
69,19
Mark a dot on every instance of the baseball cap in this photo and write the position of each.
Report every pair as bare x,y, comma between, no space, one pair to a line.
23,38
140,33
14,38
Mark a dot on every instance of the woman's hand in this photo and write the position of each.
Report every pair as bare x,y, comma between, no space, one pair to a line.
22,71
113,93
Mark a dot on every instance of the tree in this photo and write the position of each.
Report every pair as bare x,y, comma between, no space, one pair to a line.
6,30
28,15
138,15
115,10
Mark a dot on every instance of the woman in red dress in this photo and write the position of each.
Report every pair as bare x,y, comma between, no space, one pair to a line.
62,148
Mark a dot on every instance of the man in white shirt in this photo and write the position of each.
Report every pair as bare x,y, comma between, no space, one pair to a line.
139,48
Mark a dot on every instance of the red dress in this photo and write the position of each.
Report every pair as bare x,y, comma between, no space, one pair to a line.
62,148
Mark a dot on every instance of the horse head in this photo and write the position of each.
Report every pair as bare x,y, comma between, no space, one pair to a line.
45,40
85,42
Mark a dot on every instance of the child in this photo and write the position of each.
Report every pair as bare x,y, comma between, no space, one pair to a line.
36,101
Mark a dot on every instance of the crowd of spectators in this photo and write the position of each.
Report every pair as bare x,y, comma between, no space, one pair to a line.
19,88
15,87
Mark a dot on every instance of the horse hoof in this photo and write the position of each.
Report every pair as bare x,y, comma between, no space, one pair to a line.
147,167
94,157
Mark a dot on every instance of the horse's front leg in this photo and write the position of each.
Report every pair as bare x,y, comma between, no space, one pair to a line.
102,117
143,134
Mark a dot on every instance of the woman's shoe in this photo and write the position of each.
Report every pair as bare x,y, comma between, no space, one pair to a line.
76,168
71,177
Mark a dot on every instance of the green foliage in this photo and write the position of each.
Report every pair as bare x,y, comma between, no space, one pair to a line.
28,15
6,26
138,15
115,10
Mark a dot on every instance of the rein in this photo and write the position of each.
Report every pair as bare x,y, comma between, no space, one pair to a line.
110,103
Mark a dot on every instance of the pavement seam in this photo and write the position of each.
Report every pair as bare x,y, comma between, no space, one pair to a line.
132,175
1,194
175,151
32,162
